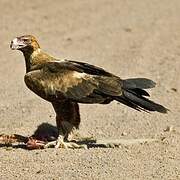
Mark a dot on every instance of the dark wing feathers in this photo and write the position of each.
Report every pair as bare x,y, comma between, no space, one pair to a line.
74,81
57,66
90,69
110,86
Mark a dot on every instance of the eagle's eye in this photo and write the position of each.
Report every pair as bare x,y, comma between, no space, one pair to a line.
26,40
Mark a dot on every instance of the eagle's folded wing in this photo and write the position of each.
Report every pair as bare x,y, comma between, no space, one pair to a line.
73,81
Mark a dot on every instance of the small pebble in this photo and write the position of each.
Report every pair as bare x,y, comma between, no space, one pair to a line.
69,39
169,129
124,134
38,171
128,29
174,89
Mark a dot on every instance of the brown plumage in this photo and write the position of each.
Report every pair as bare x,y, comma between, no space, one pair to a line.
66,83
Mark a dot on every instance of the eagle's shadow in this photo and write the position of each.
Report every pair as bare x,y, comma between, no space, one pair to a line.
50,132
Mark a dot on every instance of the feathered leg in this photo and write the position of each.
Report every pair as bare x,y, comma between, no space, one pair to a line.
67,119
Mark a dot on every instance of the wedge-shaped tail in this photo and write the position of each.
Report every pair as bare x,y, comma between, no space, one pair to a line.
133,95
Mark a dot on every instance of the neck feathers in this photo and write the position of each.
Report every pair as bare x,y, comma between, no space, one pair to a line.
35,57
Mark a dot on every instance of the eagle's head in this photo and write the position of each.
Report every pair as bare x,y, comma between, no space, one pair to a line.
24,43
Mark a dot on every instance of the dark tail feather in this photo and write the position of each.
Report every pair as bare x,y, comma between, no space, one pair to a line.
129,103
133,95
141,83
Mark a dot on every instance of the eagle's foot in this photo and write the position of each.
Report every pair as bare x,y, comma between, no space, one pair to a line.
60,143
71,145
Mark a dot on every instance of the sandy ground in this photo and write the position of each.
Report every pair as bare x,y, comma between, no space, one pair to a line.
138,38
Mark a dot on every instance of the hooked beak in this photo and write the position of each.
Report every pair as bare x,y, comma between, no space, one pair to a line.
16,44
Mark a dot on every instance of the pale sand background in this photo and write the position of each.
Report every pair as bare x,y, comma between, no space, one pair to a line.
138,38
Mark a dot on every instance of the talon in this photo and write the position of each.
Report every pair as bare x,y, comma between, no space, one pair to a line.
61,144
50,144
